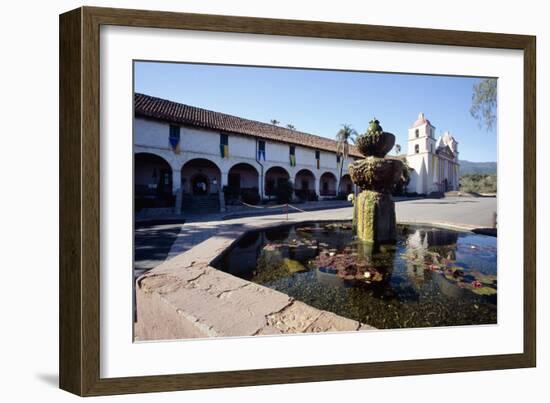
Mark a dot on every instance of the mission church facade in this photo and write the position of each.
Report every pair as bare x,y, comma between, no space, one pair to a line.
433,162
188,158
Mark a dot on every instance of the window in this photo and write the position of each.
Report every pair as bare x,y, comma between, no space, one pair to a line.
318,158
337,158
416,148
417,133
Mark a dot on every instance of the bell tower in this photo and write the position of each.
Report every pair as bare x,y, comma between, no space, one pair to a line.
421,137
420,150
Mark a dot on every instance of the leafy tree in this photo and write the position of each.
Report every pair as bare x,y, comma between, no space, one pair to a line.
274,122
343,137
291,127
484,103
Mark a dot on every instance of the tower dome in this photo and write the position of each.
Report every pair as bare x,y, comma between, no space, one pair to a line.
420,120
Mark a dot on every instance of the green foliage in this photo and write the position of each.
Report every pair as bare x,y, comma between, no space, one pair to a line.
484,103
401,185
284,191
374,127
478,183
250,196
343,137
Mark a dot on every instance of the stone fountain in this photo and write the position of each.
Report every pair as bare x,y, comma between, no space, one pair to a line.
375,175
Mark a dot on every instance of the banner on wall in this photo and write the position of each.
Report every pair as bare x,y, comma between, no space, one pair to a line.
224,145
174,139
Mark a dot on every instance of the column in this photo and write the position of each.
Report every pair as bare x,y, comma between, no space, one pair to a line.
317,186
224,181
176,180
176,189
260,188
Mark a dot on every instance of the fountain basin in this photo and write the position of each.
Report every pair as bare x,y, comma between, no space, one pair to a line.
429,277
376,143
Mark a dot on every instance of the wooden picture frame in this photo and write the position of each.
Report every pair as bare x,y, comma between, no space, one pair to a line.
80,186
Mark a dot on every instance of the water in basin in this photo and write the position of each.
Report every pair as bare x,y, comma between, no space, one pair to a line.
430,277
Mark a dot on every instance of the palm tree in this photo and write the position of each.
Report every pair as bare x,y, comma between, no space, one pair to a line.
291,127
397,149
274,122
344,135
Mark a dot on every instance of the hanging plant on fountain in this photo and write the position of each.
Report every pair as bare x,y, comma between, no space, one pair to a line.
375,141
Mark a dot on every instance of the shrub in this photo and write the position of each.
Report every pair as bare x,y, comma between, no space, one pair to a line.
478,183
306,195
283,192
401,185
250,196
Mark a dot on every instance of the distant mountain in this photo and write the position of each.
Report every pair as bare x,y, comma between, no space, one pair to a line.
469,167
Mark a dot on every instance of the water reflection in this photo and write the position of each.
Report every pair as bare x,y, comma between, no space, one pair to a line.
430,277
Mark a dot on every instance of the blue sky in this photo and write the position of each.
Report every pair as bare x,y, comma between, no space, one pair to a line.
319,102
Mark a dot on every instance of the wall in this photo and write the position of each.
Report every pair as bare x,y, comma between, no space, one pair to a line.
29,210
152,136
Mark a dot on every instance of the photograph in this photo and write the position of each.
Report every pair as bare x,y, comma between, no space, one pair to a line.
280,200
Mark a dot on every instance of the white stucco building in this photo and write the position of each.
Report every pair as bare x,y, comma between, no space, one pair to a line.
188,158
433,162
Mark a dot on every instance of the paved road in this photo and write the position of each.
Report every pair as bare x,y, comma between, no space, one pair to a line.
156,243
476,211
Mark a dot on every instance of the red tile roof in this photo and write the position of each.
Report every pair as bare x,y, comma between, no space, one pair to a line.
162,109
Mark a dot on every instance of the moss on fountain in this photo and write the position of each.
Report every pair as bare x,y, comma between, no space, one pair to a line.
375,214
366,215
374,173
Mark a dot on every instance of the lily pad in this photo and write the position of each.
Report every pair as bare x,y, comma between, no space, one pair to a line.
293,266
483,290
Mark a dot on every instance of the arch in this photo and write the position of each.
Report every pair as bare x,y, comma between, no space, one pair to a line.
152,181
274,176
327,184
200,177
346,185
304,185
242,184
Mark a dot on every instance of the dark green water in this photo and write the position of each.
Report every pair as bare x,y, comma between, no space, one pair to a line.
431,277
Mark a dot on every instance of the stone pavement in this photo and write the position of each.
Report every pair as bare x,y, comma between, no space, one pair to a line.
185,297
